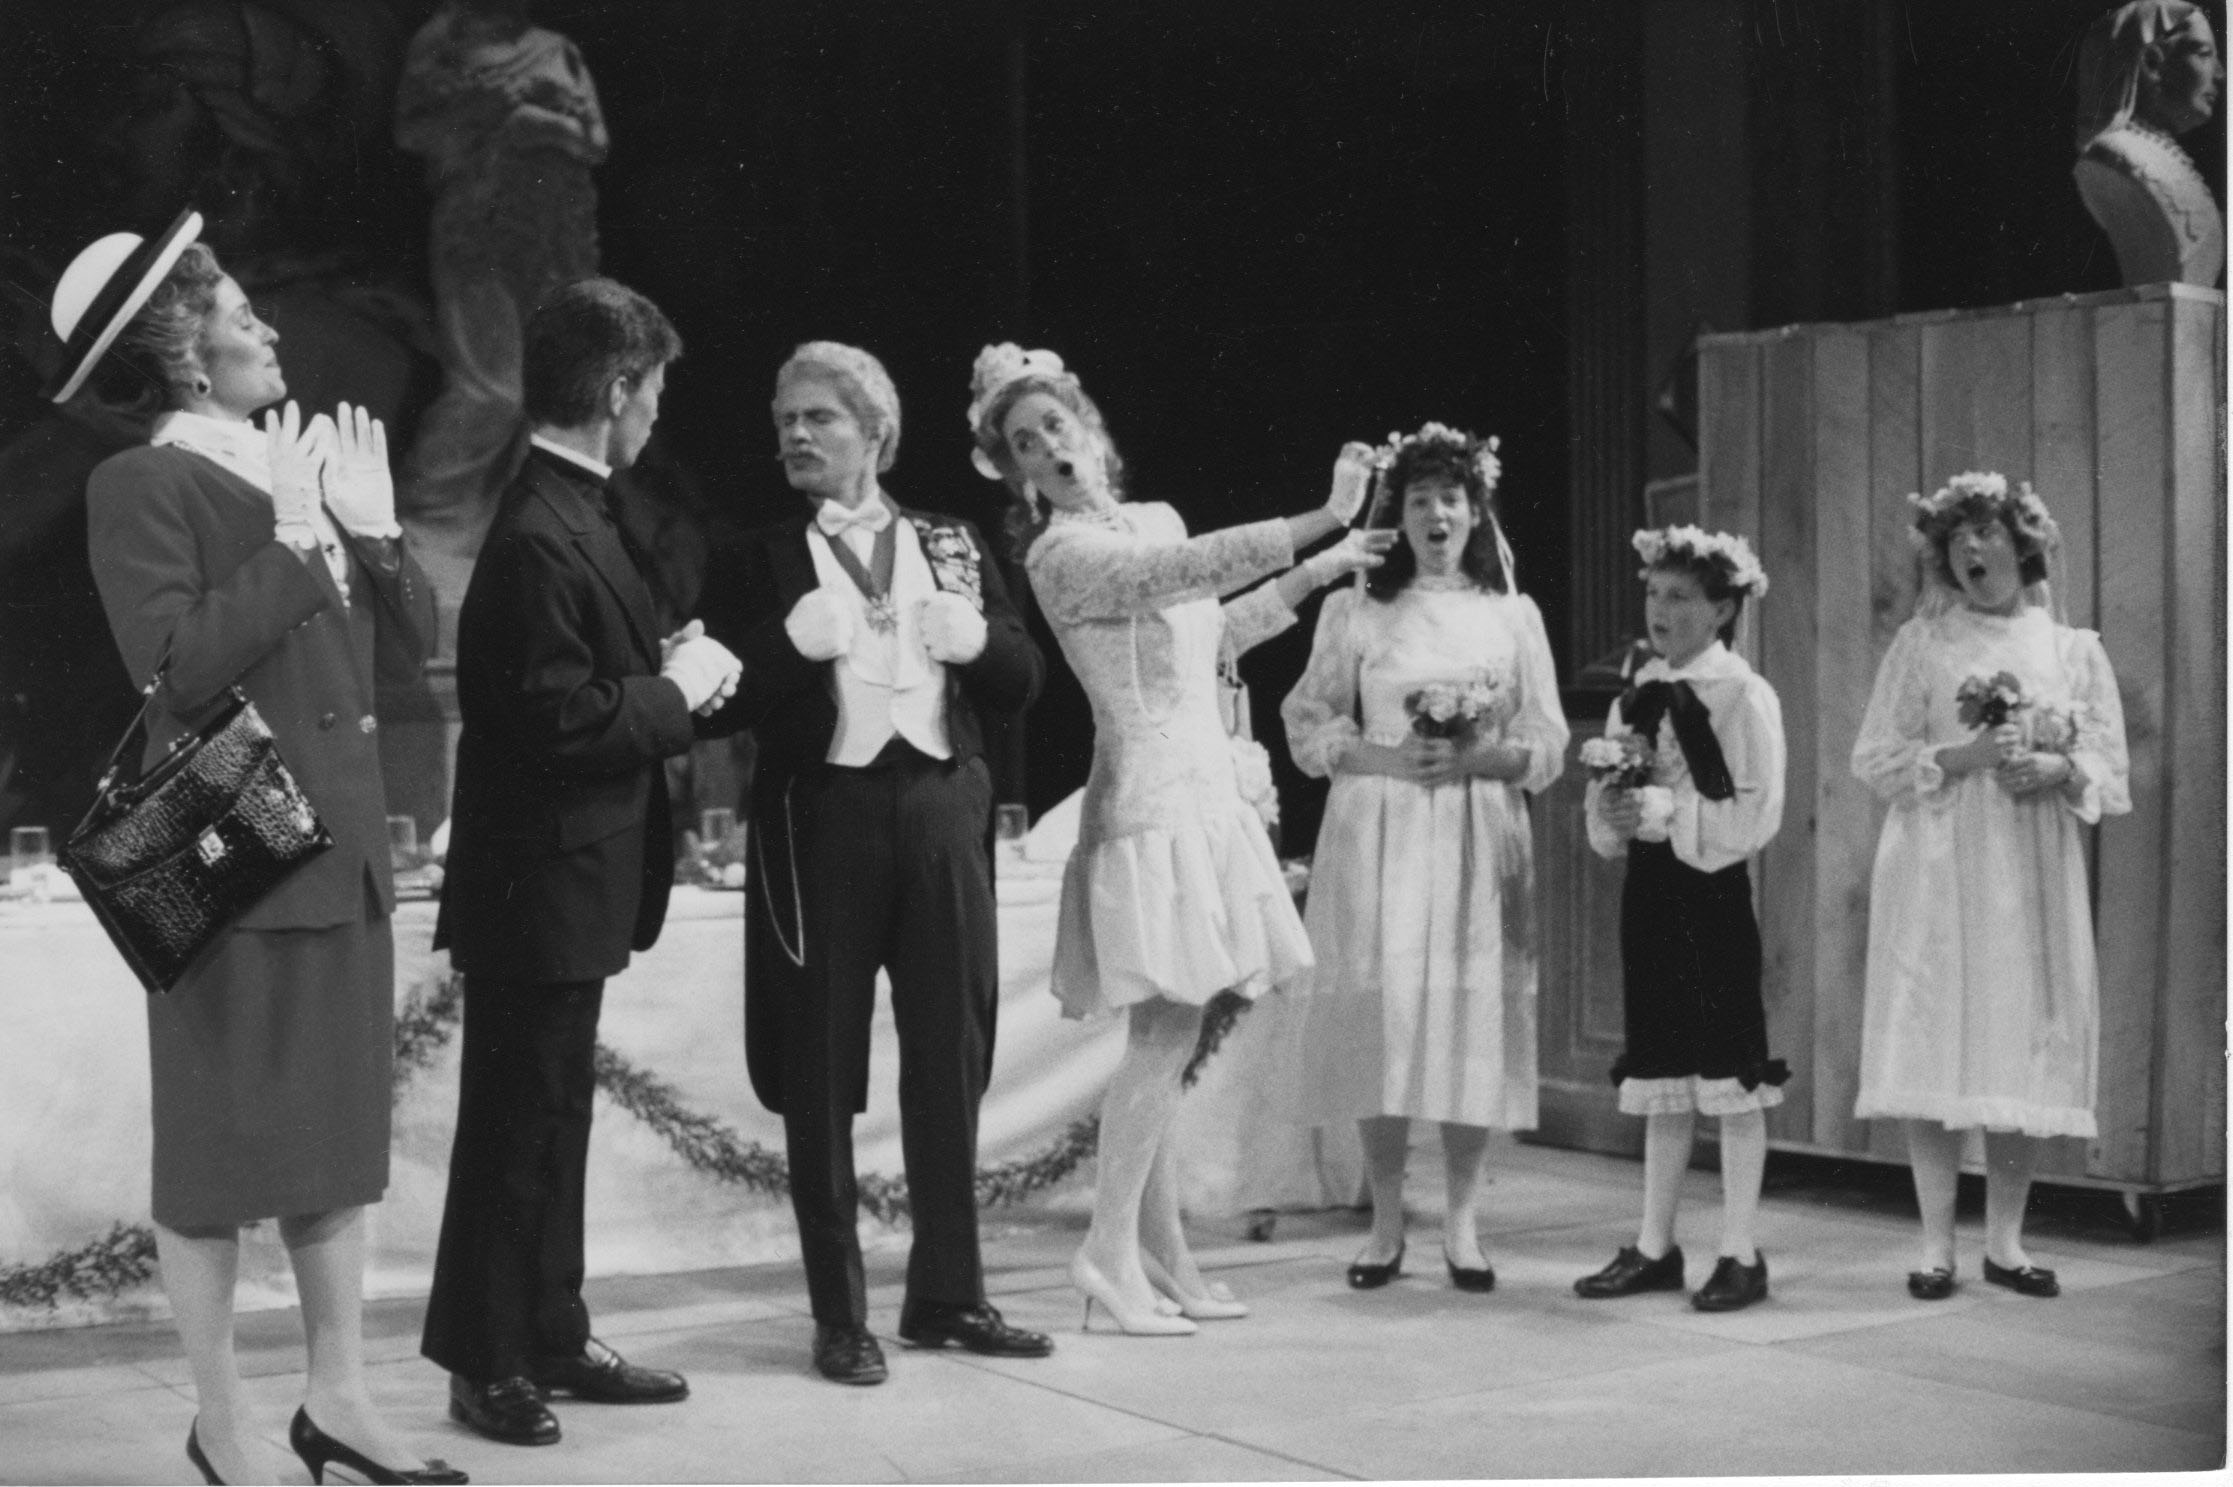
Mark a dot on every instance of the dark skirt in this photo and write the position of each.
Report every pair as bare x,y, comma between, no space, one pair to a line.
1690,973
271,1063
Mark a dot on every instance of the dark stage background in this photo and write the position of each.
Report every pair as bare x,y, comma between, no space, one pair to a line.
1255,228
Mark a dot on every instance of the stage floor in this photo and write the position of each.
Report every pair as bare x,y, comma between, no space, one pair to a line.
1838,1373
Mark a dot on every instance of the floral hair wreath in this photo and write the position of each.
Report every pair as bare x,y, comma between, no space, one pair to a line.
1725,551
1977,495
997,367
1479,453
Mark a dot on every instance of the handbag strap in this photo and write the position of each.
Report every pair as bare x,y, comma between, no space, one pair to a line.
137,728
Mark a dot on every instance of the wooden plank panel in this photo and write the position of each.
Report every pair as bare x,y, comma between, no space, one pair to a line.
1729,436
1895,471
2131,416
1844,668
1785,629
2062,444
1977,397
2191,1040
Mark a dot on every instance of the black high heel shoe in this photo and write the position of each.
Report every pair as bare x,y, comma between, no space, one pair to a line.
317,1449
195,1454
1363,1277
1479,1281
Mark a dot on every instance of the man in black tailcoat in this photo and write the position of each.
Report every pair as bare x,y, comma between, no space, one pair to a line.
875,639
560,860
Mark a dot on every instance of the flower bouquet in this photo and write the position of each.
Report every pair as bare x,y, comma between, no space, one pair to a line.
1989,701
1252,773
1452,710
1625,761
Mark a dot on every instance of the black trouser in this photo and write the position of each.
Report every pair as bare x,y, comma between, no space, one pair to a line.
508,1271
895,875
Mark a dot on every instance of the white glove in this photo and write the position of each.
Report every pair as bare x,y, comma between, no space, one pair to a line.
820,625
298,460
1358,550
363,491
705,670
953,631
1352,478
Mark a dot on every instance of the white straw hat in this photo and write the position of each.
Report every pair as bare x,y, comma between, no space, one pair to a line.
105,286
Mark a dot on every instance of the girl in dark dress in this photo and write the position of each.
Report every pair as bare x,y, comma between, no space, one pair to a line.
1690,947
269,560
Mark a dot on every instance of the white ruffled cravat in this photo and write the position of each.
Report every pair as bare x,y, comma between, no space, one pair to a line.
836,519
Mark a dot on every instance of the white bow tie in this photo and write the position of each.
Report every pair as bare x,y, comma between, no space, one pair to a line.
870,517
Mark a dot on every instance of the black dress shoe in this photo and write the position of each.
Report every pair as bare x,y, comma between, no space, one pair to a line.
848,1355
1734,1285
1935,1284
602,1376
317,1449
1364,1277
1479,1281
979,1328
508,1410
2024,1280
1631,1273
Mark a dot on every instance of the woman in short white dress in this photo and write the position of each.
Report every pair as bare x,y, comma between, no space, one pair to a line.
1172,894
1422,1006
1982,1008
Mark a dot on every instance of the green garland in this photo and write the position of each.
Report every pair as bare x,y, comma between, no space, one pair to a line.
125,1256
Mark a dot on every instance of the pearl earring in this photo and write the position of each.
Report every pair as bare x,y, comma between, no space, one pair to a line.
201,387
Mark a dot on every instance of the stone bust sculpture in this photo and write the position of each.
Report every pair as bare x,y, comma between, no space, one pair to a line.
2149,72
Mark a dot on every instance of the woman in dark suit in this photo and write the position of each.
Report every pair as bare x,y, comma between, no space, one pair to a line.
269,560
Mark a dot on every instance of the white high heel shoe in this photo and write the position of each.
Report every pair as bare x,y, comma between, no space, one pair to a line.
1216,1303
1094,1286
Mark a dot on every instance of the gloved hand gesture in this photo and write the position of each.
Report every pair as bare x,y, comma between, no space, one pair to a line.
953,631
820,625
1360,549
1352,478
706,670
361,489
298,470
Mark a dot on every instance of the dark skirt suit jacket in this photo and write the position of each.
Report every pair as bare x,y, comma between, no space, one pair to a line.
561,858
271,1057
790,703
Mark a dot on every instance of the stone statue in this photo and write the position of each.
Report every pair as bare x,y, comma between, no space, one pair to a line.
507,119
2149,72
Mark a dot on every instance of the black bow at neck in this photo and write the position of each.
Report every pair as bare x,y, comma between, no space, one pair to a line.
1641,707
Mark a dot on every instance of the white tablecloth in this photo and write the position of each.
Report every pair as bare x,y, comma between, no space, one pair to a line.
74,1101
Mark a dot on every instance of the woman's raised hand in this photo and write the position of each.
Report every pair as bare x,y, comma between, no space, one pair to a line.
1352,479
1357,551
298,464
1622,810
363,494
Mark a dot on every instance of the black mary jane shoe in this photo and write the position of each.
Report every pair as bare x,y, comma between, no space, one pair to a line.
1480,1281
978,1329
2024,1280
507,1410
599,1375
1632,1273
1363,1277
1734,1285
1935,1284
848,1355
317,1449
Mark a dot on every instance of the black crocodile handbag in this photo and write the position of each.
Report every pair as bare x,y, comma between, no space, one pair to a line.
170,859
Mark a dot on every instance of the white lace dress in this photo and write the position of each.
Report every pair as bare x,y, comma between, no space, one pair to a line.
1981,1006
1173,890
1421,900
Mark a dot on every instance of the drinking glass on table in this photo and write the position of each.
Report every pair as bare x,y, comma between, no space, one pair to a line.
403,842
1010,825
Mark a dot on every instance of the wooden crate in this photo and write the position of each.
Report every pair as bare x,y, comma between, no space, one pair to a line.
2112,405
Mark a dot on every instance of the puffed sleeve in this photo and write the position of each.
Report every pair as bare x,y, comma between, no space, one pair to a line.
1321,711
1540,724
1710,835
1082,572
1602,838
1893,755
2102,785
